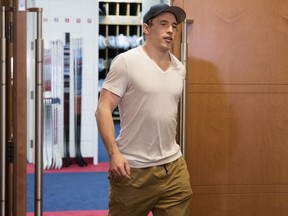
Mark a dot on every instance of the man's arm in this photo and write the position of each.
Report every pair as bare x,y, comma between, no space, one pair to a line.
107,103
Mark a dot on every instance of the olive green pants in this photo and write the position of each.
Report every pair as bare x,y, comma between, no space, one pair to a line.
164,190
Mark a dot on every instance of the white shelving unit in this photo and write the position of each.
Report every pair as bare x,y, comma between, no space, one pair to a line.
117,19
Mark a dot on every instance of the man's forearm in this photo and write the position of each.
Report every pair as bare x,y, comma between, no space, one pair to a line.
106,129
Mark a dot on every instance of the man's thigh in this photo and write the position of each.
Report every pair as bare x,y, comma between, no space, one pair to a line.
134,197
164,189
177,196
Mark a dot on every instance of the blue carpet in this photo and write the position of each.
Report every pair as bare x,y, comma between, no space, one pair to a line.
71,191
74,191
102,154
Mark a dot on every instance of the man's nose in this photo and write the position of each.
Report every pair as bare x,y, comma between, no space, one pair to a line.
170,29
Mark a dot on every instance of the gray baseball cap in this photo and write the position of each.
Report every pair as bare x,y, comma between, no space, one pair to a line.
155,10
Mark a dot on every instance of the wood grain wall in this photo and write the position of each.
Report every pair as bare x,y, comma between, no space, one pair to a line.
237,107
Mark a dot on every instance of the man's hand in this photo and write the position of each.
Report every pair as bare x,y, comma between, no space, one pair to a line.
119,166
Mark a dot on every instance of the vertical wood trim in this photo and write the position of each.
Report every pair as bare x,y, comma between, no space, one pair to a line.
20,106
9,109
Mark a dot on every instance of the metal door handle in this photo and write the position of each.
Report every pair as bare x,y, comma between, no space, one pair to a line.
184,52
3,111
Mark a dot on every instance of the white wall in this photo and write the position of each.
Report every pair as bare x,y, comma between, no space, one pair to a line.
83,23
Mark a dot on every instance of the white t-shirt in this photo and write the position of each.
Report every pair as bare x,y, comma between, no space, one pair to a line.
148,107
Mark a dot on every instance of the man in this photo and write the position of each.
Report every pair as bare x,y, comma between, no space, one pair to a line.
147,171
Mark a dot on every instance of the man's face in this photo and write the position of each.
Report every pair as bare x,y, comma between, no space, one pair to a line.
162,31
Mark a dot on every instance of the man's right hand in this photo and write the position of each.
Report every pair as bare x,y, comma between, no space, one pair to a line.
119,166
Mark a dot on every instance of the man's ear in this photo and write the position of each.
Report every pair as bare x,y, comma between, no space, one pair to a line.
145,28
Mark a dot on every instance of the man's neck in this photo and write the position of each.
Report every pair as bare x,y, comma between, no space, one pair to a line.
162,59
156,54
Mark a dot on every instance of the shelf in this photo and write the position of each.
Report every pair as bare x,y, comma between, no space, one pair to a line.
121,20
123,1
120,8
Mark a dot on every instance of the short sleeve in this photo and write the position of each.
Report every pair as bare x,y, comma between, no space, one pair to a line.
116,80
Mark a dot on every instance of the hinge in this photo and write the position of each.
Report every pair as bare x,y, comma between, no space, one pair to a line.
10,151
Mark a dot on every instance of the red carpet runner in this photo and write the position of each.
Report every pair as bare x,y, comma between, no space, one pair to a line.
74,213
101,167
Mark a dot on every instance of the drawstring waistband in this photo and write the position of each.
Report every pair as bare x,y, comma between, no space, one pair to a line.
165,168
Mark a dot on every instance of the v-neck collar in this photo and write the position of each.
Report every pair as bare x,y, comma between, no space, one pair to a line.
151,60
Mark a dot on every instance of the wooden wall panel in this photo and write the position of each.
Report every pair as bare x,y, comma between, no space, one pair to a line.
237,119
238,42
15,202
237,137
240,204
20,127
